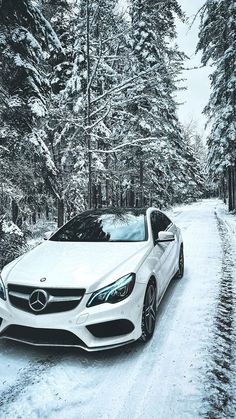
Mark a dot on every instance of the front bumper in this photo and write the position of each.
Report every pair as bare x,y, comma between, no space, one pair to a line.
95,328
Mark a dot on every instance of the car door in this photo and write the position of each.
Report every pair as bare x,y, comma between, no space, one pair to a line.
158,253
165,224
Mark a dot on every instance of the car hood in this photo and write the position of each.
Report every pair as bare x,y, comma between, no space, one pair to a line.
76,265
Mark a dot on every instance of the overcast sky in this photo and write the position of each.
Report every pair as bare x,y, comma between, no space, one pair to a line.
197,81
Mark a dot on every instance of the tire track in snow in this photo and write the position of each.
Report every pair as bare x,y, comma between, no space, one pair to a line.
28,376
221,401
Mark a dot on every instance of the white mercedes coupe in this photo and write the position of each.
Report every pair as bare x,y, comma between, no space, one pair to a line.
95,283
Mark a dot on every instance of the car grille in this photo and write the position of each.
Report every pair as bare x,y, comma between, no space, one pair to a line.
59,299
37,336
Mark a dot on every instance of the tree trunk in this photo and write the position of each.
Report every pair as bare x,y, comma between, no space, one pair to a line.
94,197
131,194
121,193
233,187
224,187
141,200
113,198
107,181
47,212
34,217
99,195
14,211
60,212
230,192
88,104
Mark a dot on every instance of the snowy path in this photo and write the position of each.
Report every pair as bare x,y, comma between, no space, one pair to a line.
186,371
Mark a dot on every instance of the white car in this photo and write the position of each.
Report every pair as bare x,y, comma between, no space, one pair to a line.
95,283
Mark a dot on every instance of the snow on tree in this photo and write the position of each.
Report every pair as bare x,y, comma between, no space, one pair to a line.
94,79
159,164
120,91
88,107
217,41
26,39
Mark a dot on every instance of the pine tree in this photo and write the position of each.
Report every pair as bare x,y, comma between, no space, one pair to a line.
26,40
217,40
161,160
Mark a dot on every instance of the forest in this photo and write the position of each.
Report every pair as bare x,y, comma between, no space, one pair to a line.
88,110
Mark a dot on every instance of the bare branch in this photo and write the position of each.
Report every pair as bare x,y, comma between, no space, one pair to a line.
134,143
193,68
99,110
195,17
88,128
124,84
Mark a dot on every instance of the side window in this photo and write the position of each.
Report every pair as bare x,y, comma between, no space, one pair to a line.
154,224
163,222
159,222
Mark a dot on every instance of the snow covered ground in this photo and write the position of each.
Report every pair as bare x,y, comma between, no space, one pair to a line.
186,371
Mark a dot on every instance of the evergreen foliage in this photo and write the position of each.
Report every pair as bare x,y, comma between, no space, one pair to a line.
217,40
26,39
88,109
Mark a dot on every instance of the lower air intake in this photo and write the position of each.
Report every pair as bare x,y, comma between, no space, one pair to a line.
111,329
38,336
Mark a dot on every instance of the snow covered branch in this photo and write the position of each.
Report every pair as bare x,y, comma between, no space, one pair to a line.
133,143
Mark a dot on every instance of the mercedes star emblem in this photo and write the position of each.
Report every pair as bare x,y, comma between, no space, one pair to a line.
38,300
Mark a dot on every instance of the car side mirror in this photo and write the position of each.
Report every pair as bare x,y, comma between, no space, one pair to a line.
165,236
47,235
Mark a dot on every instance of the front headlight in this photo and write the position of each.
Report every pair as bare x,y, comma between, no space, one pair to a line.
2,290
113,293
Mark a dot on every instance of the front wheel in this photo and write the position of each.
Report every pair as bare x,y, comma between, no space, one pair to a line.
149,311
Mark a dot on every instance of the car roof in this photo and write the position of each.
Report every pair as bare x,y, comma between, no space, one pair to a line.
116,210
120,210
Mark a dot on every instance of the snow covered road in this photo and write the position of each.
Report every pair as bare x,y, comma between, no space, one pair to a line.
186,371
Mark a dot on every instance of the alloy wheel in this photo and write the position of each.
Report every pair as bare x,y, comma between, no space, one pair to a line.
149,312
181,263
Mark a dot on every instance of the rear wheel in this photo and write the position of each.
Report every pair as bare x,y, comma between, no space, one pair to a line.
149,311
180,273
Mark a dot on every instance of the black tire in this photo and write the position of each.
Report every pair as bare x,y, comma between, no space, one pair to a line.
180,273
149,311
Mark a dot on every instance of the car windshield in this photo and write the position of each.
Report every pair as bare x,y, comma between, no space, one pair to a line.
103,227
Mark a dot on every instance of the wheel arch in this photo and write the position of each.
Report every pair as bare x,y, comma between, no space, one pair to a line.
153,278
